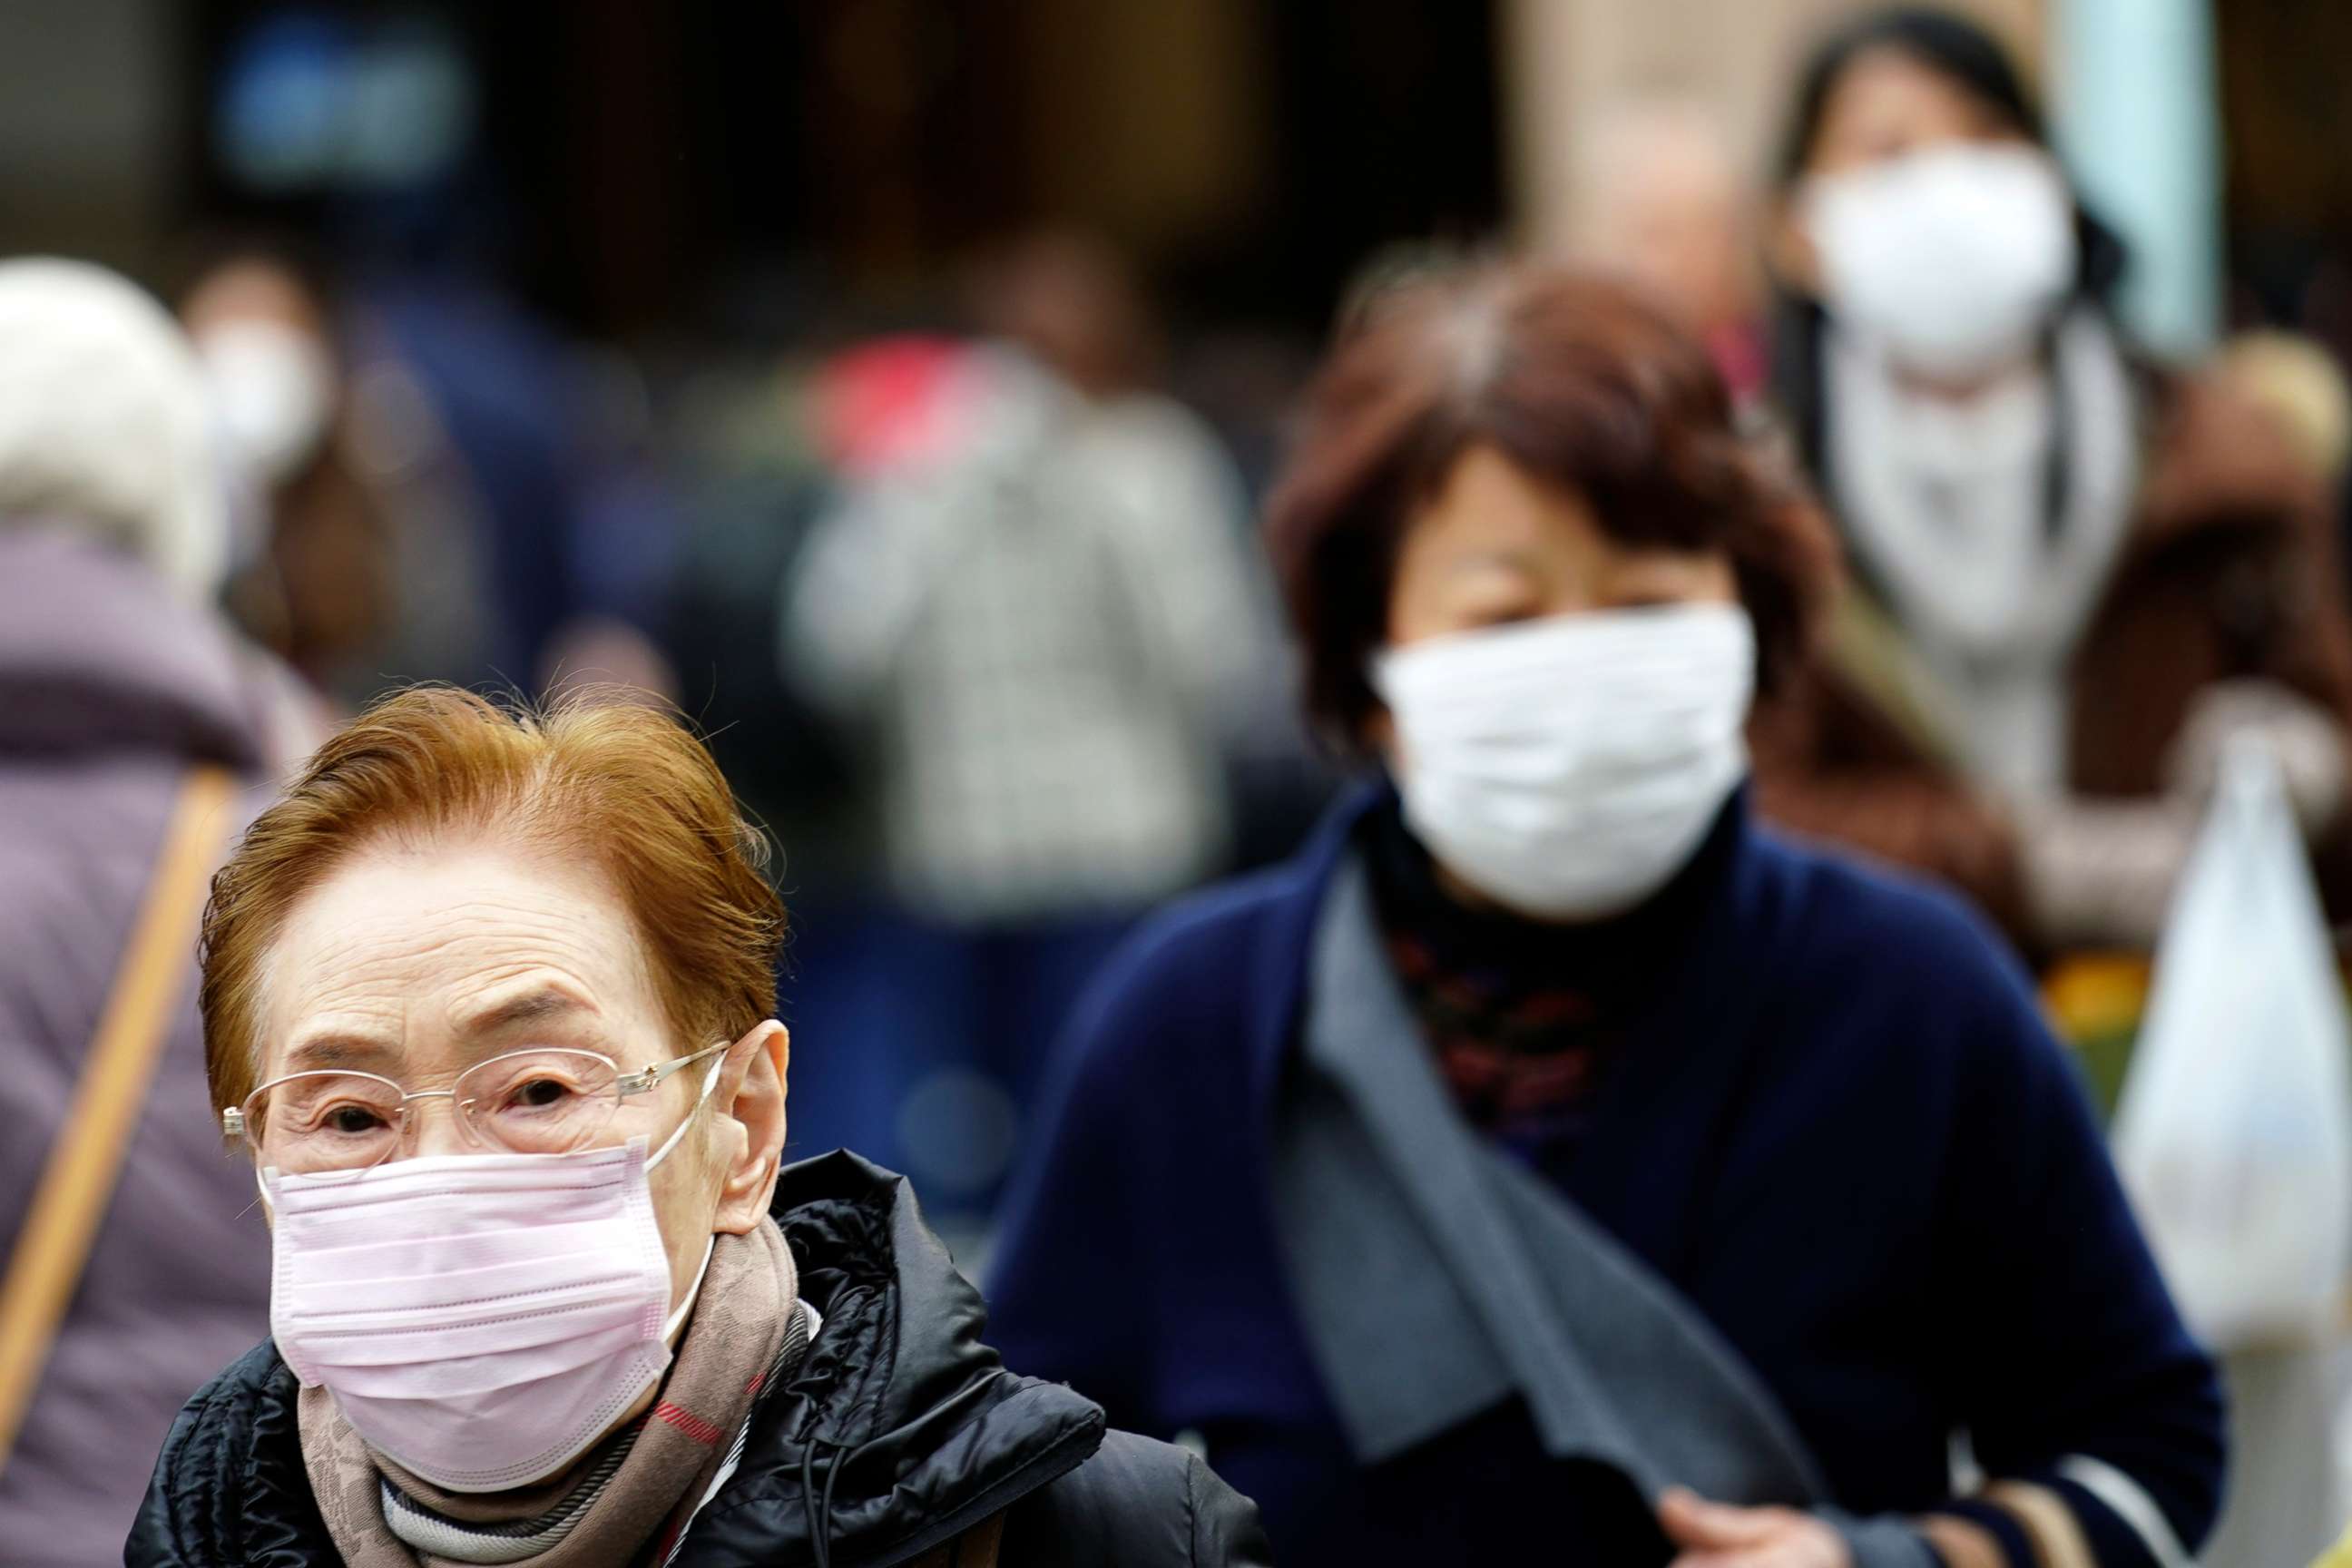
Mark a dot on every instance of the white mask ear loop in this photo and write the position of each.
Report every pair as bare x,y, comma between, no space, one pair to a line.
677,1318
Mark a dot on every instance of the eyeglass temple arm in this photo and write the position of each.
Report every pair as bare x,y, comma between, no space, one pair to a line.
644,1078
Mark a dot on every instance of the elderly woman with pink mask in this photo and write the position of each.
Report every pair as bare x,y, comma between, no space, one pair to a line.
489,1001
1550,1162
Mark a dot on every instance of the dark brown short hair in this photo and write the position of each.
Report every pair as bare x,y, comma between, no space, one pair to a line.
1578,379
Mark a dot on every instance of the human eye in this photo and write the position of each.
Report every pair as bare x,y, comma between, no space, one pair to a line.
537,1083
352,1119
1503,602
331,1109
539,1091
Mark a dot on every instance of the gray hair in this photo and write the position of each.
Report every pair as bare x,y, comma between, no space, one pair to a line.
105,425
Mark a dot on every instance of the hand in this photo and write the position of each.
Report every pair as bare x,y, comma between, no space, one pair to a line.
2101,872
2304,737
1718,1535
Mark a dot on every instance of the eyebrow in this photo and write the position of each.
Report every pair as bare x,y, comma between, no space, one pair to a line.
538,1007
338,1051
1482,556
361,1052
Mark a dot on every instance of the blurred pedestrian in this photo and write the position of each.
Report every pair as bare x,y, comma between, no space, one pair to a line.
1072,300
314,578
135,730
2077,574
425,485
1047,612
489,1002
1036,606
1550,1153
1661,198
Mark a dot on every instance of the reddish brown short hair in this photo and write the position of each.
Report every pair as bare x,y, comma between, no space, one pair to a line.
1578,379
621,787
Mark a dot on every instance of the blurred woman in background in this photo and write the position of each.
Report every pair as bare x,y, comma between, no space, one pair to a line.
313,569
137,730
1547,1154
2077,575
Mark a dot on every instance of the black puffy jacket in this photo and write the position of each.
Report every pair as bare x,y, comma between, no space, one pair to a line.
899,1432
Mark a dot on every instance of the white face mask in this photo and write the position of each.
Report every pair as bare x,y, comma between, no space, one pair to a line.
1951,257
1568,767
481,1319
273,390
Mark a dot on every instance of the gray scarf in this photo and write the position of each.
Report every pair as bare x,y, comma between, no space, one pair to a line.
1437,1278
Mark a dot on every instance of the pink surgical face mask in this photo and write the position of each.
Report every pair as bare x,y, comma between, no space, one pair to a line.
481,1319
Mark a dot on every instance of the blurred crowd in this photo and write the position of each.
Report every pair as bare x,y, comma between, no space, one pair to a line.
972,601
971,612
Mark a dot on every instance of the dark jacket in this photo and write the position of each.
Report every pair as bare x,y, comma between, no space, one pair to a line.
2229,571
1842,1133
111,687
899,1431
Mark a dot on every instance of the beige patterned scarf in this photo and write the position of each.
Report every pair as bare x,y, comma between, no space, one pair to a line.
638,1487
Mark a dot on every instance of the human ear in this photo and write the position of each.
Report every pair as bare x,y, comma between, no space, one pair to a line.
751,1095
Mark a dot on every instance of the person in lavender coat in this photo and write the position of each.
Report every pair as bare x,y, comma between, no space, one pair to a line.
117,677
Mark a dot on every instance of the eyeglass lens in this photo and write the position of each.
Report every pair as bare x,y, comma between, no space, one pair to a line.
548,1102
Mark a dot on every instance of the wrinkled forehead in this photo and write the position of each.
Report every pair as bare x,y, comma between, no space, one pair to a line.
424,960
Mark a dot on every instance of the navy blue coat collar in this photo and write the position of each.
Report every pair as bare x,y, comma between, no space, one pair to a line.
1664,1112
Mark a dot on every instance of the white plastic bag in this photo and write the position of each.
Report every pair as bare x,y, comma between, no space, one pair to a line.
2234,1135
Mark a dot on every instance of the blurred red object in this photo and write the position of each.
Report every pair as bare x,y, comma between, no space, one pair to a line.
891,402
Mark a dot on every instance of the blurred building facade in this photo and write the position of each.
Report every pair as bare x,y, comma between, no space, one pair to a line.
665,166
1566,63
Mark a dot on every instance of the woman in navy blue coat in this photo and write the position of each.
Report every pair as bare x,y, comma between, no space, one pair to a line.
1550,1161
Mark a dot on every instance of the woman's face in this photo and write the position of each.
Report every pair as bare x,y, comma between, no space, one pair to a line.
1888,102
417,963
1496,545
1884,103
